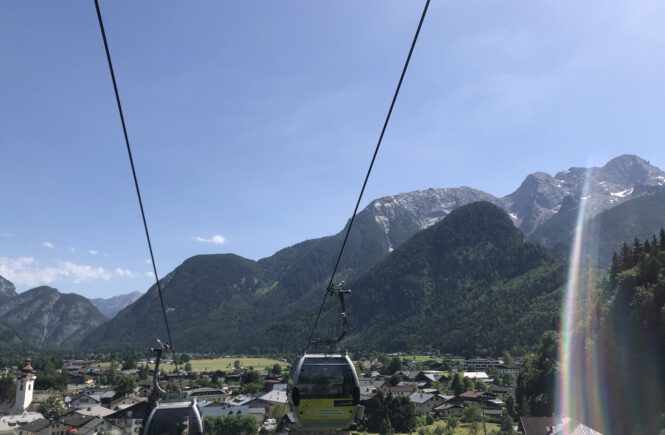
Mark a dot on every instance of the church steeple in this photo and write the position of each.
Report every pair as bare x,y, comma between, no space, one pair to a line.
24,386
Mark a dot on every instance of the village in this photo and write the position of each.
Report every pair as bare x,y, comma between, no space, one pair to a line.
476,392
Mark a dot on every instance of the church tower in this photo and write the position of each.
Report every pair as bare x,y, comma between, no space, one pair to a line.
24,387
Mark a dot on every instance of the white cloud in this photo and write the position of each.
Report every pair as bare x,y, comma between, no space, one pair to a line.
26,271
6,235
72,249
93,252
150,275
81,272
215,240
48,245
124,272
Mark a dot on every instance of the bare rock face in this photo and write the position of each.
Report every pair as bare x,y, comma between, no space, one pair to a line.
401,216
7,289
541,195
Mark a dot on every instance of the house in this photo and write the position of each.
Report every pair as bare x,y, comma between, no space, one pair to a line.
106,397
109,428
370,387
430,377
23,418
508,369
84,400
556,425
480,364
41,426
94,411
82,423
130,418
481,376
469,397
212,394
272,400
425,402
39,397
502,393
398,390
125,401
408,375
448,410
241,400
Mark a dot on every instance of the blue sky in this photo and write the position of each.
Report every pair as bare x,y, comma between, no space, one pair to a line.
255,121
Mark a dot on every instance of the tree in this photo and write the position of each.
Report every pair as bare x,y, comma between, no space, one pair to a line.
7,388
386,428
472,413
52,408
395,379
457,384
130,363
236,365
398,410
479,385
230,425
510,407
250,377
453,422
469,385
125,385
536,380
188,367
277,369
506,423
395,364
508,380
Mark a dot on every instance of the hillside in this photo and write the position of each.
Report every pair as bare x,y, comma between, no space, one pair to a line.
10,342
208,298
44,317
471,272
471,282
290,283
638,217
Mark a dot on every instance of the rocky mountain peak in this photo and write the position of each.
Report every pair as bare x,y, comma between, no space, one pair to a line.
402,215
540,195
7,289
631,169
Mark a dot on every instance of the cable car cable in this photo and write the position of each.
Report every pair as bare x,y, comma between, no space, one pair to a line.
330,288
136,184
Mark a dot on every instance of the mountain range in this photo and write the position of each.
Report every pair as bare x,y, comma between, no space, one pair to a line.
109,307
402,244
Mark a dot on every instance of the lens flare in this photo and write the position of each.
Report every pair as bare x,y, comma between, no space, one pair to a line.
581,376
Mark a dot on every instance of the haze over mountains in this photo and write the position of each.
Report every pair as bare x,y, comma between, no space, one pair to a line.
398,247
109,307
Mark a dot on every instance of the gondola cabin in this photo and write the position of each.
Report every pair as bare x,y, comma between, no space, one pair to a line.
174,418
324,392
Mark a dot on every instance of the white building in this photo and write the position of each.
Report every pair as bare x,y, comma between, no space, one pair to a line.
25,386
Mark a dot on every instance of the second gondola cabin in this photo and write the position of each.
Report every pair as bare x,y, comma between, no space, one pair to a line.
324,391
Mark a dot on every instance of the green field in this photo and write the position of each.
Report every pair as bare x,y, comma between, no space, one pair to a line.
226,364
